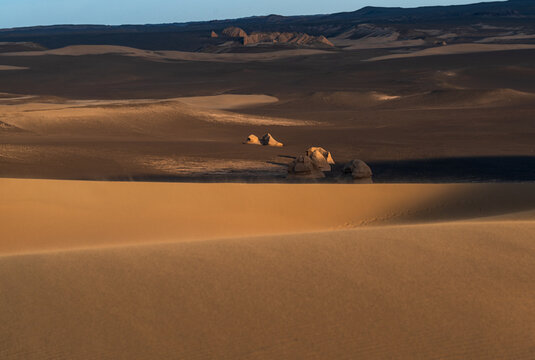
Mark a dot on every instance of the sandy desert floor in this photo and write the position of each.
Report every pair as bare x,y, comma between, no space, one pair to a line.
457,113
436,261
98,270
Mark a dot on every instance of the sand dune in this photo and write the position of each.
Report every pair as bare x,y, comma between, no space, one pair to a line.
465,99
456,49
414,292
144,117
8,67
79,50
497,39
51,215
228,102
430,290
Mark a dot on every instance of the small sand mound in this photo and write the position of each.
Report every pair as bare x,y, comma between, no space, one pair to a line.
358,169
326,154
269,140
304,168
252,140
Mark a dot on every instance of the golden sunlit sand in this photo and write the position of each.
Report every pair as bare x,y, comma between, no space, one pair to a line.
139,270
387,211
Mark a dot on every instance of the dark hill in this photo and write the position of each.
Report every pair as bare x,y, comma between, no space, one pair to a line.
195,36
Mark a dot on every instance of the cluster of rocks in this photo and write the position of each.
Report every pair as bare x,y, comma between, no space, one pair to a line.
266,140
312,165
317,161
273,37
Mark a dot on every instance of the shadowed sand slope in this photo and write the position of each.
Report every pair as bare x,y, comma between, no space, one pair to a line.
439,291
456,49
80,50
145,117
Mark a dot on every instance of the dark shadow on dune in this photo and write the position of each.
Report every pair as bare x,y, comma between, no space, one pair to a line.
440,170
277,163
463,169
473,202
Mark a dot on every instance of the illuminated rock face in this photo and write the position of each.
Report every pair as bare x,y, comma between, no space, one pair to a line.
299,39
270,141
326,154
286,38
320,161
252,140
234,32
267,140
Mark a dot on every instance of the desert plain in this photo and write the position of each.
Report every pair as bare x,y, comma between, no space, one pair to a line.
135,224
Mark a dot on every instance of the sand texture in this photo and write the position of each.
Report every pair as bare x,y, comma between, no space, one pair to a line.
456,49
94,270
168,55
8,67
136,224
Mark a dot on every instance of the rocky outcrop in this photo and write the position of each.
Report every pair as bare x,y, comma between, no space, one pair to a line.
299,39
266,140
234,32
293,38
358,169
304,168
323,40
270,141
252,140
319,161
326,154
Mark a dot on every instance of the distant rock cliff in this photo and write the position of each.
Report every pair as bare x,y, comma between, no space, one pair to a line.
293,38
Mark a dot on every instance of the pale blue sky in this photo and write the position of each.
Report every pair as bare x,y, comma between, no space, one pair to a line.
14,13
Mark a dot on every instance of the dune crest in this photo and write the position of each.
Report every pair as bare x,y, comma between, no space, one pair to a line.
44,215
10,68
167,55
456,49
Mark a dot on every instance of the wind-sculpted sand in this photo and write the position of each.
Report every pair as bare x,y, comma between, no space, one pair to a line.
141,116
197,271
456,49
163,55
49,215
9,67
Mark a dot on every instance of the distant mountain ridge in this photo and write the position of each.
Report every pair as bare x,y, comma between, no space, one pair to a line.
196,36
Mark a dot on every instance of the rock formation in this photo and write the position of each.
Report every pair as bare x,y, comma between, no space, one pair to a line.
299,39
234,32
358,169
326,154
286,38
304,168
270,140
319,160
214,34
267,140
252,140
